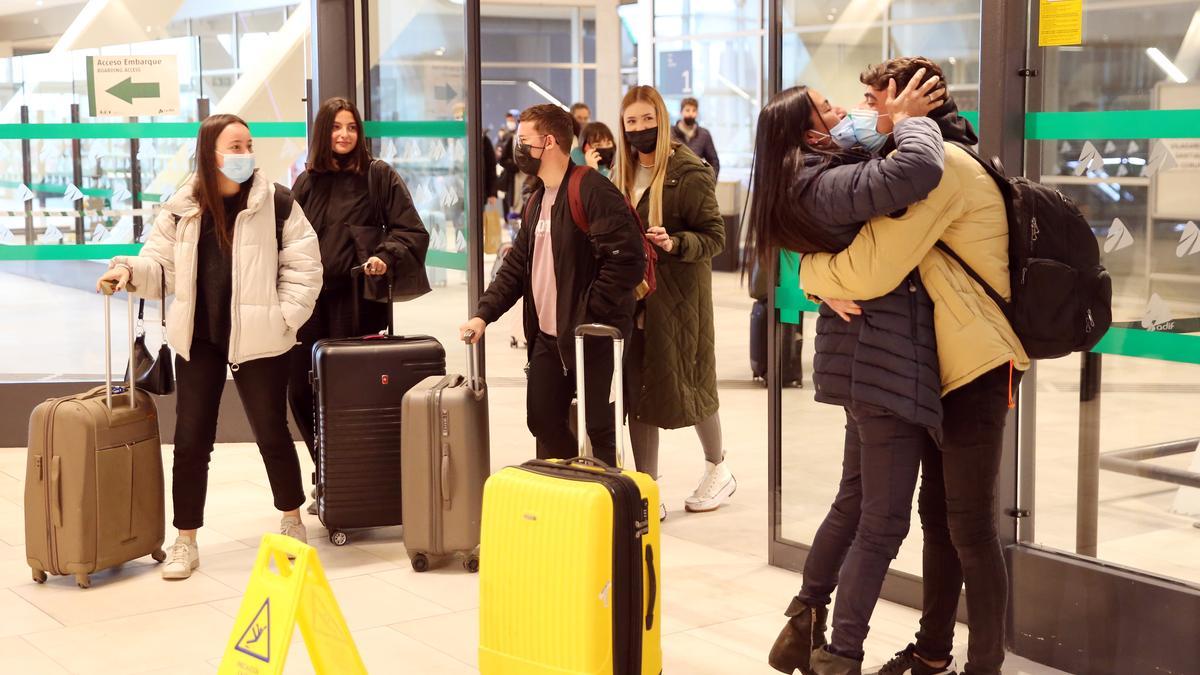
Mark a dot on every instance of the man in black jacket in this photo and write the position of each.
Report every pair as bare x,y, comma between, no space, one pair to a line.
696,137
566,277
504,157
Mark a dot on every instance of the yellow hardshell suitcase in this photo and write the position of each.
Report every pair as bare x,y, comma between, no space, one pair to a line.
569,561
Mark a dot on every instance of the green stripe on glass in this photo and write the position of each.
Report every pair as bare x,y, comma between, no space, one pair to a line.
187,130
57,190
444,259
1119,124
67,251
1150,345
419,129
971,116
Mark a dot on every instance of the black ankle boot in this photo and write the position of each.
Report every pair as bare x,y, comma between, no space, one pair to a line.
804,632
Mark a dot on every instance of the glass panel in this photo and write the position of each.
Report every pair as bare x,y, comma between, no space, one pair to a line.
1138,194
827,46
418,76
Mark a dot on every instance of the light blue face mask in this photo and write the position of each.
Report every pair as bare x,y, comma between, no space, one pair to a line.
842,133
238,168
864,122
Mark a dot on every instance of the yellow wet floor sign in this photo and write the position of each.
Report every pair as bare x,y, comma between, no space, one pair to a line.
284,592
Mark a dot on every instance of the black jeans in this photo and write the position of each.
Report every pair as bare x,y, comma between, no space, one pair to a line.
867,523
262,385
333,317
548,400
957,506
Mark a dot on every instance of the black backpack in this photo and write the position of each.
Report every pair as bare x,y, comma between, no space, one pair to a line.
1061,294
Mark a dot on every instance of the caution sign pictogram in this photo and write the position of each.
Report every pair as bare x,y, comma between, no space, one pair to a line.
256,640
288,587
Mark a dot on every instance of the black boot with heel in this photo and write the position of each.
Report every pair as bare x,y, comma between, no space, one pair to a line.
803,633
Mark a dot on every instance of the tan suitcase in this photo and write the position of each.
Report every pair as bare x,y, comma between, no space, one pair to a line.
445,460
94,479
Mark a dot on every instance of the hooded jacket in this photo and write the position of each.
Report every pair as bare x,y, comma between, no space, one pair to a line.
274,286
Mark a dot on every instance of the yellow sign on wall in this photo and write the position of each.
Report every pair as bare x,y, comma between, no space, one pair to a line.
295,591
1060,23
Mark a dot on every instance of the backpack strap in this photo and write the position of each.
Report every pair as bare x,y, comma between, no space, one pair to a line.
575,199
1004,305
283,211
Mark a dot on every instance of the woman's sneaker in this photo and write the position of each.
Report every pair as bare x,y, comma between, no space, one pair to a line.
291,526
717,486
182,558
906,663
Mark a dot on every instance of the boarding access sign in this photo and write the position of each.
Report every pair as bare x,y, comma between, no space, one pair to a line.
131,86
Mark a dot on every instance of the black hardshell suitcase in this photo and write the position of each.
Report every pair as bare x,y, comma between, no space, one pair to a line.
792,367
359,385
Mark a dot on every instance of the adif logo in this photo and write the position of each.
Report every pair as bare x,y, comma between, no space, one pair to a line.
1118,237
1158,315
1089,158
1189,241
1161,159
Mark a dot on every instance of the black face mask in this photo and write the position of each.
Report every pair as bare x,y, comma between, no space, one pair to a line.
645,141
689,121
607,155
525,161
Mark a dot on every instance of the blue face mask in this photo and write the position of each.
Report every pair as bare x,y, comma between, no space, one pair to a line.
238,168
864,122
842,133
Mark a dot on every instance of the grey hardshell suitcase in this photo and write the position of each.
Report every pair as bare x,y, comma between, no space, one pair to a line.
94,478
445,460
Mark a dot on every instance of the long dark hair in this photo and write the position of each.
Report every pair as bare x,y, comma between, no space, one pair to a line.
775,219
207,188
320,145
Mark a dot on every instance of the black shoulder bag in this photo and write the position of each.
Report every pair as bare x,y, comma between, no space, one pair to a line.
154,375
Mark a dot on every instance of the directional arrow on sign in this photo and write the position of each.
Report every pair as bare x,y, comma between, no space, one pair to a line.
444,92
127,90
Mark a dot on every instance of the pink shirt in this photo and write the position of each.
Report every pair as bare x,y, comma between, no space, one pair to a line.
544,282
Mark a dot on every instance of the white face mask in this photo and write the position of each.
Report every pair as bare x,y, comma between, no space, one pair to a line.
238,168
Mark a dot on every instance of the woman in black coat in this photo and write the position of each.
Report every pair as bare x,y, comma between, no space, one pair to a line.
364,218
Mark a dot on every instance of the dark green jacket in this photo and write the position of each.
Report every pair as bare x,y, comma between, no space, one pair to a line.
673,361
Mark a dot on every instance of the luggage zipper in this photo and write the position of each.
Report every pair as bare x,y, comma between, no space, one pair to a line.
47,461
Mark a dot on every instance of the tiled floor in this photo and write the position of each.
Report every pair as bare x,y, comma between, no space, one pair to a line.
723,602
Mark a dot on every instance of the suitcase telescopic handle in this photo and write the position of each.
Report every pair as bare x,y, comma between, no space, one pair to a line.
618,341
472,360
108,291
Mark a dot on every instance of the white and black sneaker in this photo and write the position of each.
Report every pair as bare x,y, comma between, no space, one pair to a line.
906,662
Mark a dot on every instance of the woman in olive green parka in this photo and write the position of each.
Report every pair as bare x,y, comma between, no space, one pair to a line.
672,359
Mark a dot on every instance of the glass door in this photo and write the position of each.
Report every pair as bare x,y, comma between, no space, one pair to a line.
1106,578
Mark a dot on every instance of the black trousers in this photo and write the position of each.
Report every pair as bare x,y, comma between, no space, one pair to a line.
333,317
957,506
548,400
262,385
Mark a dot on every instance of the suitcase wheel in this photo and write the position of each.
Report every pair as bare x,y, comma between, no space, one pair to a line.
420,563
159,555
39,576
83,580
471,563
338,538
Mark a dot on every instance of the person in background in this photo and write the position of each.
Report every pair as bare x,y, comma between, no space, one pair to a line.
507,160
566,277
487,157
696,137
243,288
582,114
672,359
364,217
597,148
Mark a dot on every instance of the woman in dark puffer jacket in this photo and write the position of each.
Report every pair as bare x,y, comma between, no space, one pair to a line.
879,361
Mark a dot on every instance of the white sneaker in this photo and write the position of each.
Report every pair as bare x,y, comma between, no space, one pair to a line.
291,526
717,486
182,558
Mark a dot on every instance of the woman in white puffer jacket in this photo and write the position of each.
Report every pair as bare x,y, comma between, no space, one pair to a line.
242,288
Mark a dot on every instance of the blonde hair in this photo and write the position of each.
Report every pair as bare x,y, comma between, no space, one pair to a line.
625,173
